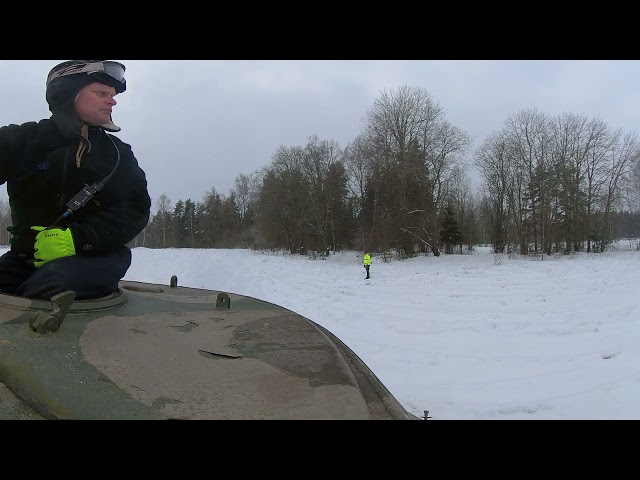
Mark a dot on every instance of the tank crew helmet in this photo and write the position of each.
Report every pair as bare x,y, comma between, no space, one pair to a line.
68,78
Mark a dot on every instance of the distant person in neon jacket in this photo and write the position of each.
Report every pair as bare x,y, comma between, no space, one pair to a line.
366,261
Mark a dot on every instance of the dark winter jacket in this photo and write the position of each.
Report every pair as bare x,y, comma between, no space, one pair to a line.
39,166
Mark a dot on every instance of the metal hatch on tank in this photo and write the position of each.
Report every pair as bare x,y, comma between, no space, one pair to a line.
151,351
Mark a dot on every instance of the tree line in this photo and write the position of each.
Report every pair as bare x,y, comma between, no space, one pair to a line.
549,184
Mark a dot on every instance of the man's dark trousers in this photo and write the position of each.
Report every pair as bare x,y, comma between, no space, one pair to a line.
90,276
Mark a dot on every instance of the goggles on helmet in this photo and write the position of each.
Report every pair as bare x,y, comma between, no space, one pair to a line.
114,69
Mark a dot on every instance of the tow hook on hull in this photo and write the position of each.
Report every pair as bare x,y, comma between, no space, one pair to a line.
44,322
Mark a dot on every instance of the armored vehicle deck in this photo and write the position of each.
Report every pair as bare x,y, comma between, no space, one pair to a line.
152,351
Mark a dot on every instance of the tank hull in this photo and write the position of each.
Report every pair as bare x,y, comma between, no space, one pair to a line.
153,352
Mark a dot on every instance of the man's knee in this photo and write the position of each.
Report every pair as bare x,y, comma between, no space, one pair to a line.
90,276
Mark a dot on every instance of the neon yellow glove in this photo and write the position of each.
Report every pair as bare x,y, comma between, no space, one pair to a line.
52,243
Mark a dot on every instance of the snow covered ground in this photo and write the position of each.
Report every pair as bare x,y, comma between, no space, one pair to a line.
478,336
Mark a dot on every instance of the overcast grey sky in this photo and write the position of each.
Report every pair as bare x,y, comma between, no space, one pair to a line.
197,124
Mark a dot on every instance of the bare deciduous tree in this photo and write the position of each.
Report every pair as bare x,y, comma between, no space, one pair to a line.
416,151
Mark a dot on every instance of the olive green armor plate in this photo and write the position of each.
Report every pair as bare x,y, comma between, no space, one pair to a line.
151,351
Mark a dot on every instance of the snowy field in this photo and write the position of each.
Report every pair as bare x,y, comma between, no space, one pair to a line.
477,336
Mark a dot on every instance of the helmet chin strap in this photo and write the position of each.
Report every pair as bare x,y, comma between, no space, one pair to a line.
85,144
110,126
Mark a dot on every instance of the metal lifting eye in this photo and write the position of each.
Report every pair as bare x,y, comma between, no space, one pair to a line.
44,322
